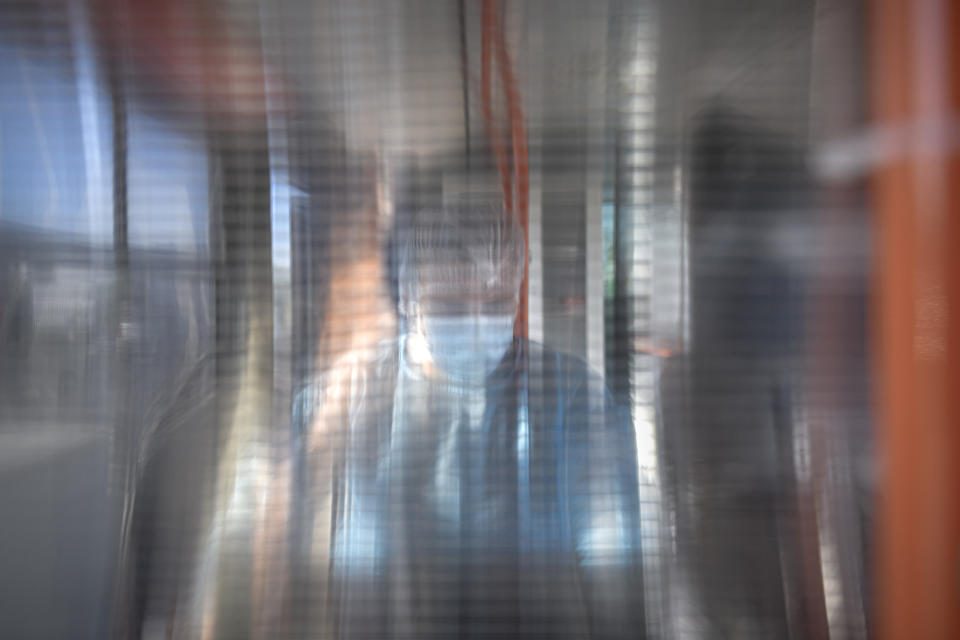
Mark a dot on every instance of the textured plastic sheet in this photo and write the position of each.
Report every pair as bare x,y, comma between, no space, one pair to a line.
225,239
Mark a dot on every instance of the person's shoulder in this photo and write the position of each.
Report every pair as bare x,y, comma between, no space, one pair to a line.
592,419
567,371
586,397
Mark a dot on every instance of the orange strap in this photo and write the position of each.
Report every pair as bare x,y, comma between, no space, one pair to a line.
493,38
490,26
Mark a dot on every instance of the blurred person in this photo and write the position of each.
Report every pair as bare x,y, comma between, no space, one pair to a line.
461,481
730,403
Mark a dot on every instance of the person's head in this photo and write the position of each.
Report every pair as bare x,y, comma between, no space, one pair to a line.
460,275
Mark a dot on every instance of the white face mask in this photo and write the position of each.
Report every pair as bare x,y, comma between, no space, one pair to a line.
468,348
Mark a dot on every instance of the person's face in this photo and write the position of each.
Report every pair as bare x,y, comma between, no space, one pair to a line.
468,335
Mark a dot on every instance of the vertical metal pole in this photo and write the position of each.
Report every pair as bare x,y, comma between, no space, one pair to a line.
230,595
125,436
244,369
534,64
593,192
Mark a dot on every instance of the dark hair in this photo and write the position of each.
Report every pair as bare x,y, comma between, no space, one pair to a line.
470,249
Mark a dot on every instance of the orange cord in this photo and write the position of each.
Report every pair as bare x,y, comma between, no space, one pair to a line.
521,166
490,26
